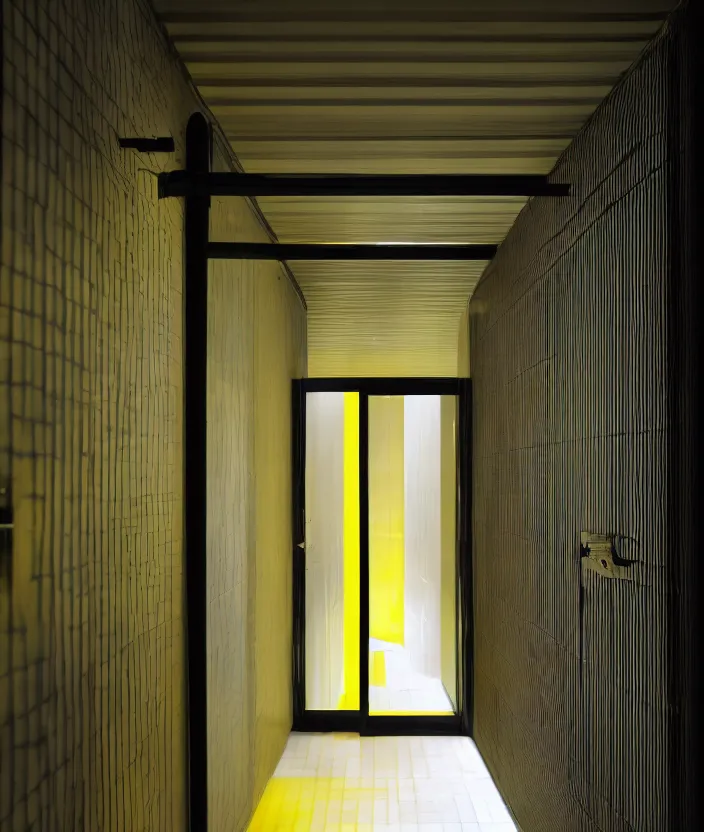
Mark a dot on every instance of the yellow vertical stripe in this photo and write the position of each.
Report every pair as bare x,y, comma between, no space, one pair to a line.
387,569
350,696
377,671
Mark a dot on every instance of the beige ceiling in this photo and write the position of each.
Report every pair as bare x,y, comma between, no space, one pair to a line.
446,86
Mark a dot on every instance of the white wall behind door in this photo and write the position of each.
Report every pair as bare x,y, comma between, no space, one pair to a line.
422,532
325,415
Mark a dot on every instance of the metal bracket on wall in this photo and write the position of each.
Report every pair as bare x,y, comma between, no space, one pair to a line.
599,555
6,529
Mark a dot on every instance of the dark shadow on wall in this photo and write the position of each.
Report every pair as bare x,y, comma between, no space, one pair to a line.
584,399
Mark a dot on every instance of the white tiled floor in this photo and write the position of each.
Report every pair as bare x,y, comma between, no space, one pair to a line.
336,782
405,691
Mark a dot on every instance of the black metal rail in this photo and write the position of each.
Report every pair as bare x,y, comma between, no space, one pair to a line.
186,183
352,251
198,139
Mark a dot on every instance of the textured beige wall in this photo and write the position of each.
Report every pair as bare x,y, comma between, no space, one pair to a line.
463,346
256,346
280,355
92,707
231,539
92,678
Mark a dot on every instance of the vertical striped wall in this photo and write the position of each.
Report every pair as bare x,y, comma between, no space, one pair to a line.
256,345
570,334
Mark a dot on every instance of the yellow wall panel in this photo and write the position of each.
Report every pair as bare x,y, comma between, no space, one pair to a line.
350,697
377,670
386,519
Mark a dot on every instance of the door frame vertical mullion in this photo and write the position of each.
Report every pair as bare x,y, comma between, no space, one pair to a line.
298,487
363,560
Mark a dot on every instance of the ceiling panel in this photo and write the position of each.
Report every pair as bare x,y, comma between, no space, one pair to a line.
453,86
385,318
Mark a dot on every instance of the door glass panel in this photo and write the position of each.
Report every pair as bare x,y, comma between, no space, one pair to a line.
412,578
332,551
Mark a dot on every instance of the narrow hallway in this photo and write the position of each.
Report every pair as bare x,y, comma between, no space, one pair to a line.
350,415
347,783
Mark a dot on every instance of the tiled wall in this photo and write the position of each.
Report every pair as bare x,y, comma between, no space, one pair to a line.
92,705
570,328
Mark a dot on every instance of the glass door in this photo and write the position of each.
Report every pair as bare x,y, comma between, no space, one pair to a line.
412,565
332,491
375,578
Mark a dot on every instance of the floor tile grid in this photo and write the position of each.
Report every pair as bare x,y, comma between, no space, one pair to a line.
344,782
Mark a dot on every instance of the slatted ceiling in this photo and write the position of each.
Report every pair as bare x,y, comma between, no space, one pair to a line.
397,121
205,28
370,56
371,13
223,96
453,86
382,318
217,70
391,220
408,156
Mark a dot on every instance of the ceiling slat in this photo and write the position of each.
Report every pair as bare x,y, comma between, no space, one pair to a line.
358,86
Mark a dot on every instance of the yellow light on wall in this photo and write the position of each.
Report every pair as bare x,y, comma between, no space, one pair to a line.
350,695
386,519
377,671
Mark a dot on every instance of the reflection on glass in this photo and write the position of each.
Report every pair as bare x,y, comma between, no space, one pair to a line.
412,555
332,551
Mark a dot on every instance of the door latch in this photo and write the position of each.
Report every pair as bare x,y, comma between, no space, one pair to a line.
599,555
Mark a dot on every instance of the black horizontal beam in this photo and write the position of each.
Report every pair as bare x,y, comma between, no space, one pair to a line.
356,251
384,386
411,726
183,183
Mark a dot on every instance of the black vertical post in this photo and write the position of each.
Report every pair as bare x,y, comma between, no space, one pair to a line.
198,149
465,666
298,466
363,559
685,379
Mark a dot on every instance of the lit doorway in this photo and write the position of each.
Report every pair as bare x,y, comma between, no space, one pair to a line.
379,638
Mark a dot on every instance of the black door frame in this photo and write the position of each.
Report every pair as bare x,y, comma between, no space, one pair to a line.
360,721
